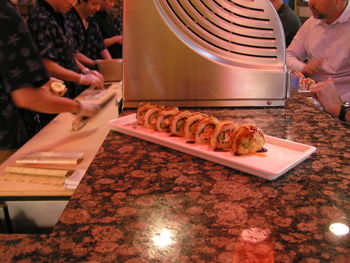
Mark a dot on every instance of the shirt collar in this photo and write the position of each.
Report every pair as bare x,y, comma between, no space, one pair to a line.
345,16
282,9
47,6
57,16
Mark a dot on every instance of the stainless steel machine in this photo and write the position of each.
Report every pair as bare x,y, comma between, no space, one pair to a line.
210,53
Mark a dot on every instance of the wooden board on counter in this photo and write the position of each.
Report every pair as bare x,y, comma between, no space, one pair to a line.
57,136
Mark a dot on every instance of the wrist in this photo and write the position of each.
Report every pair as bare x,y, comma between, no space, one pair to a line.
336,110
77,107
344,111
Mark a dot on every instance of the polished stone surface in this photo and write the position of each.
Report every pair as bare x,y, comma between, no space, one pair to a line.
141,202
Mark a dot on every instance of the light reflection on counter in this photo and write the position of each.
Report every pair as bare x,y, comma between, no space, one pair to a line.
254,235
253,245
163,238
339,229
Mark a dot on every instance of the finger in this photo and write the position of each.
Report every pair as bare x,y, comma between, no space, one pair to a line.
55,80
315,90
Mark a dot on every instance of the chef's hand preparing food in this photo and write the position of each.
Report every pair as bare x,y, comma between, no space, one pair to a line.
57,87
91,79
87,108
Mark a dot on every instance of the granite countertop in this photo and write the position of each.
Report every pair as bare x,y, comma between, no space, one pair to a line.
141,202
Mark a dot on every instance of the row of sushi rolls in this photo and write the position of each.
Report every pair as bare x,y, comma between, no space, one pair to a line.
200,128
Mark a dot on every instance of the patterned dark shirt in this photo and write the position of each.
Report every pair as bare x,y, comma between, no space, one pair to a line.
109,29
88,41
52,35
20,66
54,38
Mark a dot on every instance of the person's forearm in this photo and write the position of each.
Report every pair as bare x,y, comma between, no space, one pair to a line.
57,71
84,59
333,108
112,41
81,67
42,101
105,54
296,53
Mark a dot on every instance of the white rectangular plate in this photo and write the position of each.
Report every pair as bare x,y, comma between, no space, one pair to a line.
281,155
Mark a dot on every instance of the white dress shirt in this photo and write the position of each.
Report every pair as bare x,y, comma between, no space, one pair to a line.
329,43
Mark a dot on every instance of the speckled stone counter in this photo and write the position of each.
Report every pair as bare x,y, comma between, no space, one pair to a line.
141,202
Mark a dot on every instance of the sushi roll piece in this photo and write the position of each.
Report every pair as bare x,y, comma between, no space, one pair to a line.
151,116
178,124
306,84
141,111
165,117
191,124
222,135
247,139
205,129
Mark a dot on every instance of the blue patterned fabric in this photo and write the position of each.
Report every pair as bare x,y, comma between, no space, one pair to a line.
20,66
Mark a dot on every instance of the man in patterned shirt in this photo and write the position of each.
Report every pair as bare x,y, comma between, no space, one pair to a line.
21,75
87,36
53,37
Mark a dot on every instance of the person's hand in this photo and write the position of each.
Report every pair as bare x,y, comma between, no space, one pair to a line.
58,88
97,75
55,87
312,67
47,86
327,95
87,108
90,80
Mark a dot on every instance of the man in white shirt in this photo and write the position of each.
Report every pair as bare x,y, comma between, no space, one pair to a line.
324,42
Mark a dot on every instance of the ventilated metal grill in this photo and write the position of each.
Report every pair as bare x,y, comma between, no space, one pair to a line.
244,31
203,53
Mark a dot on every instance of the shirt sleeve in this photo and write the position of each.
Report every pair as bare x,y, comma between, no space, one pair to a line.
296,53
21,65
43,37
